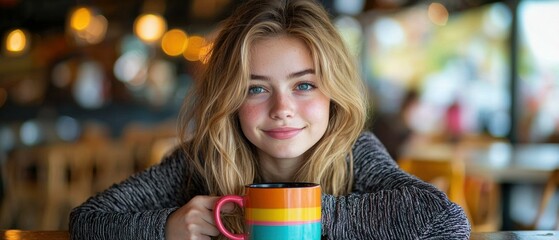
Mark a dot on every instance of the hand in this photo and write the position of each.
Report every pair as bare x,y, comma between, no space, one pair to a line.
194,220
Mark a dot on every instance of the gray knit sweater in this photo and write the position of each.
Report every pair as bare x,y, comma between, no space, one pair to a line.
386,203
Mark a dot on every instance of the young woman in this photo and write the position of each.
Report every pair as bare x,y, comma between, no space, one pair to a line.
280,100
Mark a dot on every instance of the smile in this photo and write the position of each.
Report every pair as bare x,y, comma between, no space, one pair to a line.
283,133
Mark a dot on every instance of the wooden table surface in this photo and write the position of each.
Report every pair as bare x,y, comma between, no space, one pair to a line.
34,235
516,235
512,235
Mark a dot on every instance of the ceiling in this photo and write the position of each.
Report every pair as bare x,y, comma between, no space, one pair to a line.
40,16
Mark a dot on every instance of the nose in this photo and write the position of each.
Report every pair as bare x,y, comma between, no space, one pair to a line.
282,107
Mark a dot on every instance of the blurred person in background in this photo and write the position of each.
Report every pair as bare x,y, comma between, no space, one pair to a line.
393,129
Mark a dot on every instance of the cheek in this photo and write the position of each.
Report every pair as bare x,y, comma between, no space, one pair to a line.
318,110
248,115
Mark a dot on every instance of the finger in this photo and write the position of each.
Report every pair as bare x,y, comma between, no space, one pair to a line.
207,216
199,222
207,202
202,227
198,236
204,208
209,229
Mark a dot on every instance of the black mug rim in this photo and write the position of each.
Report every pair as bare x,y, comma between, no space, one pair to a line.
283,185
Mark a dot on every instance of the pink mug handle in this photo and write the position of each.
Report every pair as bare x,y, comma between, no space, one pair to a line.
217,216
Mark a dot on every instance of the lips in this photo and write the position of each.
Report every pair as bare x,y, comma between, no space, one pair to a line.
283,133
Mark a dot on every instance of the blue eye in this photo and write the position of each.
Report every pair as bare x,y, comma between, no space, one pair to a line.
256,90
305,87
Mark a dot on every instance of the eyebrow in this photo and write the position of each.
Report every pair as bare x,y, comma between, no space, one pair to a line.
292,75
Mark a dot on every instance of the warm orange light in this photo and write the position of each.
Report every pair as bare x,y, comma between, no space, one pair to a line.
96,31
80,19
438,14
16,41
150,27
192,51
12,235
174,42
87,26
205,53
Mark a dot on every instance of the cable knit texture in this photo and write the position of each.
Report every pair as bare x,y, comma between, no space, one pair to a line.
386,203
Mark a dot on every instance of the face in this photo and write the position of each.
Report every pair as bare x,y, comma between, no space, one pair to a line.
285,113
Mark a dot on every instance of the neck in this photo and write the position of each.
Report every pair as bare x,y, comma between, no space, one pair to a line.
279,170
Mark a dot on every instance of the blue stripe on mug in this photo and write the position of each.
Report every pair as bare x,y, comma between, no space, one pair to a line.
302,231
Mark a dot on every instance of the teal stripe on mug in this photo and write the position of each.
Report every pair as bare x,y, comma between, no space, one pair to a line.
309,231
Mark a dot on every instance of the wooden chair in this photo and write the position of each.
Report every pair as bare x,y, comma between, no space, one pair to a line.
76,171
160,148
479,199
549,190
138,139
446,174
483,197
68,183
483,194
112,163
24,176
142,140
43,184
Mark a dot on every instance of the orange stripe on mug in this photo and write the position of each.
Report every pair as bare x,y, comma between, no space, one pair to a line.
275,198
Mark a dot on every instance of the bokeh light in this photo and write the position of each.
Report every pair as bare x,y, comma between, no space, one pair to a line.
438,14
192,51
89,89
97,30
162,82
132,43
351,32
131,68
16,42
150,27
61,74
497,21
349,7
13,234
174,42
67,128
80,18
388,33
205,53
87,26
132,65
30,133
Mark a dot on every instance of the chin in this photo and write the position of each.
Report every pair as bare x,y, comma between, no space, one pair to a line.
286,154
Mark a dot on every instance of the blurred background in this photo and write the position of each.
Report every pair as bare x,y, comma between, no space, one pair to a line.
90,91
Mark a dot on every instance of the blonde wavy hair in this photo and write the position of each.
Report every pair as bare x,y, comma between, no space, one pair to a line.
210,129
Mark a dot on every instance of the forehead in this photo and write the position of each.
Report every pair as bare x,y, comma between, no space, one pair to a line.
280,52
281,39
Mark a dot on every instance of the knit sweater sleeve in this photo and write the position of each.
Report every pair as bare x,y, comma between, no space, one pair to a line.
137,208
387,203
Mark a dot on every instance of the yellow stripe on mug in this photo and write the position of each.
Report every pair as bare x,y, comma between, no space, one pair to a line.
283,214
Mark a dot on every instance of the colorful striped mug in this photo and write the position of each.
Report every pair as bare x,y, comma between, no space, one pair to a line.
288,210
